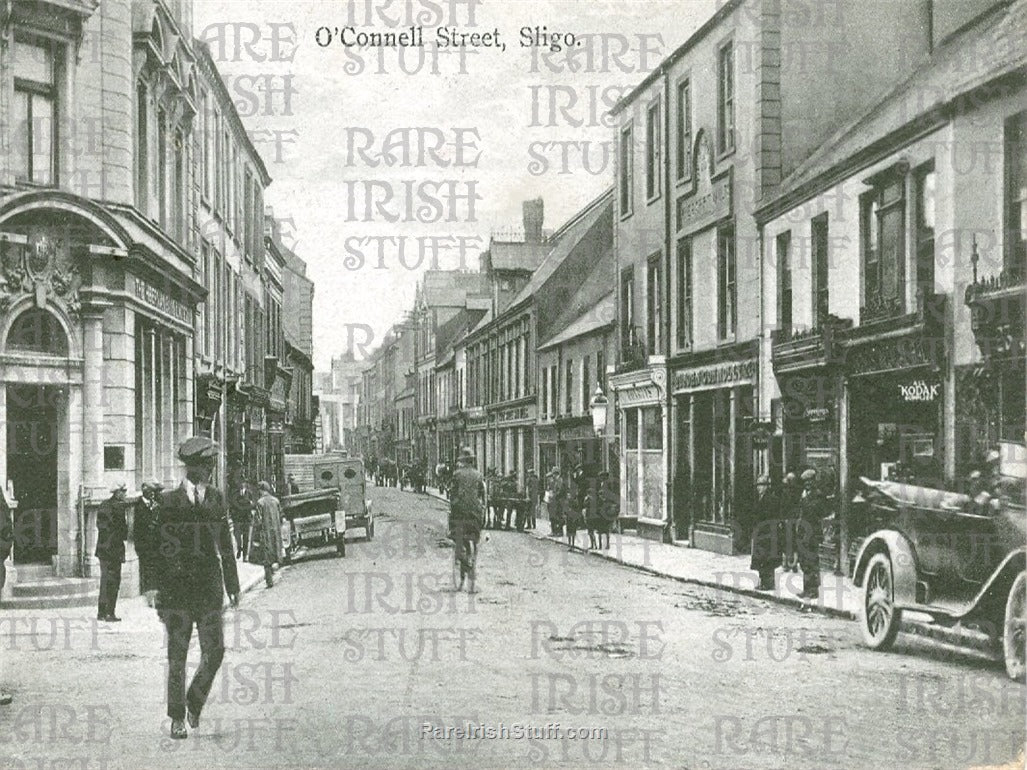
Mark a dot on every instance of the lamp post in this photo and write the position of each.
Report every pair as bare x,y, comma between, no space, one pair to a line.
598,407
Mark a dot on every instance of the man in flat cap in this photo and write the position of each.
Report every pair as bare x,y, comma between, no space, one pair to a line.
194,564
812,509
111,533
466,513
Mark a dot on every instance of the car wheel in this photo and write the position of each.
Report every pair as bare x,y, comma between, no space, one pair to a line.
1014,632
880,618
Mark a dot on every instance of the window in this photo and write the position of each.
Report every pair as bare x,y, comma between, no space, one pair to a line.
586,384
208,128
544,399
726,280
552,391
142,146
653,300
1016,194
601,369
652,428
684,130
626,171
820,260
783,244
652,152
162,168
631,428
178,189
725,99
684,267
884,253
34,133
627,306
925,180
569,390
37,331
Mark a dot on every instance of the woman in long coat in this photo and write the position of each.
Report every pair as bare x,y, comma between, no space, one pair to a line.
269,524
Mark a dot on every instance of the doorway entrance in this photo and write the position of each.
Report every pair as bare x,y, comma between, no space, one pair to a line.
32,456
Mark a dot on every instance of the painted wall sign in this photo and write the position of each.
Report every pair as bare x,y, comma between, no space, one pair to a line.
711,376
709,198
160,300
919,391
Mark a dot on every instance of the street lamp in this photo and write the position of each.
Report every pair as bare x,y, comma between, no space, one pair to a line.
598,407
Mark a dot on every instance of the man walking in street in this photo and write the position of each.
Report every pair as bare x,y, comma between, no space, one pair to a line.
242,505
111,533
269,521
531,489
194,565
466,510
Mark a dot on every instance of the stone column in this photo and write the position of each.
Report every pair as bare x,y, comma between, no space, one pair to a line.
92,437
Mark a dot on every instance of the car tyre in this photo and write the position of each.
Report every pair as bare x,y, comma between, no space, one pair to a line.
1014,628
879,617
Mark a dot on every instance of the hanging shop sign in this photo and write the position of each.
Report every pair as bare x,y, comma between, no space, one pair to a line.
919,391
817,414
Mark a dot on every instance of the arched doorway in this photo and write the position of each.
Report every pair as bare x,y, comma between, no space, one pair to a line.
36,421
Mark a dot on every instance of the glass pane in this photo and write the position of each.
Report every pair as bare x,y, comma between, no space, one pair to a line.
43,131
21,135
37,331
33,62
891,252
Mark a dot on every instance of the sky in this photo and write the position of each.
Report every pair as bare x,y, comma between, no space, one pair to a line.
387,161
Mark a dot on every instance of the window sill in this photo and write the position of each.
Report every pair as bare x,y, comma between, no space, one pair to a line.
683,180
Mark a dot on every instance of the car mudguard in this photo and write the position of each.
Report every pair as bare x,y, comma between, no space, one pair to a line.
903,560
990,602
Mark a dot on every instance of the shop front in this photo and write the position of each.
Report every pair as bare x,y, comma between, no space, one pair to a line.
643,416
713,416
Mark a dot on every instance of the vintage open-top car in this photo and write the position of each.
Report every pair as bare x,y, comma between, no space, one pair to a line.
956,558
313,518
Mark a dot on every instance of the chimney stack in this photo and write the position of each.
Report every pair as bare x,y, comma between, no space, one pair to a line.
534,214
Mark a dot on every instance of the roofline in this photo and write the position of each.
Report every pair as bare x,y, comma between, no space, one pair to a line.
219,84
692,41
594,330
876,150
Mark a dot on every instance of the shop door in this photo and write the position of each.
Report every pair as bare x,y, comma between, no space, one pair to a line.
32,415
702,486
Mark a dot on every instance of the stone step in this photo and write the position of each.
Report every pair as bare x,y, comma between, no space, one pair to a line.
55,586
30,572
57,601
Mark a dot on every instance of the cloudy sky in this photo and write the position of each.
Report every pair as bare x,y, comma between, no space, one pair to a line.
351,135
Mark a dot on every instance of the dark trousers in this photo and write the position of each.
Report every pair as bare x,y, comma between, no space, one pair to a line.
242,536
110,584
178,624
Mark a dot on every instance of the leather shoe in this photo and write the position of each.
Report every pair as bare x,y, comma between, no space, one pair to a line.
178,730
112,619
194,719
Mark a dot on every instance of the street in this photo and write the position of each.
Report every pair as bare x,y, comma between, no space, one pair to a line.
367,661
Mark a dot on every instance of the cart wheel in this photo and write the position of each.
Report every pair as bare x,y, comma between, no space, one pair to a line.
1014,637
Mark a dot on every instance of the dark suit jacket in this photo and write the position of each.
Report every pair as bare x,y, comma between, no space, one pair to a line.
111,531
194,561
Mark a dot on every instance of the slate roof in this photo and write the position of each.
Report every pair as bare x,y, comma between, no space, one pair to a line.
515,255
993,45
597,317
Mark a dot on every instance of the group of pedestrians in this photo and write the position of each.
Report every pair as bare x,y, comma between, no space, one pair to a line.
509,505
786,529
581,501
257,523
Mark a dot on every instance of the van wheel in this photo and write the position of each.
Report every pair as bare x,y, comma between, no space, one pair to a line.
1014,637
879,617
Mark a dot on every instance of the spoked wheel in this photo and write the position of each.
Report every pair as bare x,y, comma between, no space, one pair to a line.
880,617
1014,632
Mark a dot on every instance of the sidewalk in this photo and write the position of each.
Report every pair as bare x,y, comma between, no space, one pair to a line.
838,596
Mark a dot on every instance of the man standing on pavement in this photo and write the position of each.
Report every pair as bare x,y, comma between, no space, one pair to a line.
111,533
766,520
531,487
145,523
809,533
466,510
6,544
194,565
269,519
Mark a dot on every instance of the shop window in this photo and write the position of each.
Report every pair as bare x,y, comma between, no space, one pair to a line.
884,252
726,283
544,400
652,151
684,129
783,245
684,319
37,331
569,390
725,99
925,181
1016,194
820,259
34,133
654,299
625,171
631,428
652,428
